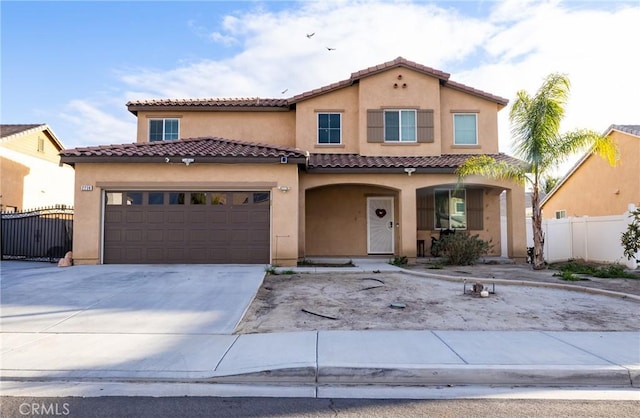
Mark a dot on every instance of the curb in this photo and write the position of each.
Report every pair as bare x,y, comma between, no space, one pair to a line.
561,286
431,375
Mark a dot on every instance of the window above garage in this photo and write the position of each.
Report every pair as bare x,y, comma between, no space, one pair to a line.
165,129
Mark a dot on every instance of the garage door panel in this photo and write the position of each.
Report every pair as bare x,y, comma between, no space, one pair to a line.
198,236
155,235
113,216
173,235
134,235
113,235
259,217
221,227
240,216
134,216
155,255
174,216
155,217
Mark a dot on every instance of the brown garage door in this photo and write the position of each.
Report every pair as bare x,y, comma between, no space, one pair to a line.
186,227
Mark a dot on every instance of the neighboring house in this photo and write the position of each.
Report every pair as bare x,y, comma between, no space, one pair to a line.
365,166
593,187
30,170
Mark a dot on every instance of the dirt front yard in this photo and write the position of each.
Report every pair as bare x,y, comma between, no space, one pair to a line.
399,300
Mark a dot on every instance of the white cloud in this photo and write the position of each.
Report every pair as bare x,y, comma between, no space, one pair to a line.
276,53
94,126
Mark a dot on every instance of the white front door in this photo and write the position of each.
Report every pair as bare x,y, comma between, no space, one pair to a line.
380,225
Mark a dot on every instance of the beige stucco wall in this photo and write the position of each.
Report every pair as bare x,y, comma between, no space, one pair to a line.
271,127
336,219
399,88
455,101
323,231
343,101
87,236
597,189
378,91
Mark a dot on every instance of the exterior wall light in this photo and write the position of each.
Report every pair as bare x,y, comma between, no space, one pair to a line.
284,189
409,170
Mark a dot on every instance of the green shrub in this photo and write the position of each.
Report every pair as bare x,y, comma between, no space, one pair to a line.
608,272
399,261
462,248
630,239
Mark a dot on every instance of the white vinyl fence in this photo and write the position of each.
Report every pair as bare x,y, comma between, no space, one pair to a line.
595,238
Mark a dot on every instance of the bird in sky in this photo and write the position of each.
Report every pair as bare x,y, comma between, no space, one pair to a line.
330,49
284,91
309,35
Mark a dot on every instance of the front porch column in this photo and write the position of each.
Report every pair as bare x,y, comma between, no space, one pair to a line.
408,224
516,225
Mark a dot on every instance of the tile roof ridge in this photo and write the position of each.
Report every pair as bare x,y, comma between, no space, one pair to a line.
157,101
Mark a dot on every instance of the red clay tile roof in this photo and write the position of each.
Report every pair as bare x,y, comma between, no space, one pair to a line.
354,162
206,104
8,130
207,149
285,104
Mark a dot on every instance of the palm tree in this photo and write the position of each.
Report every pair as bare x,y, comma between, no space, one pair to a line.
535,127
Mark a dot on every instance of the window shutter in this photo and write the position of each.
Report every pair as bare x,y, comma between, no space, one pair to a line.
375,125
425,211
474,209
425,125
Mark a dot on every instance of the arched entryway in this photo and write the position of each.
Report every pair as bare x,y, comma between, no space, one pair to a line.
350,220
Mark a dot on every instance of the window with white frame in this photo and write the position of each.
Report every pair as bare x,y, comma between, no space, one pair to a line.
400,125
450,209
465,129
166,129
560,214
329,128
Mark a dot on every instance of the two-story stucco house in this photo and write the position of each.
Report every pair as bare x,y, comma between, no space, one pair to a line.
593,187
362,167
30,172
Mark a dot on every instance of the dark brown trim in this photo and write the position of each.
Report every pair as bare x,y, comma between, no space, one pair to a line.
177,159
379,170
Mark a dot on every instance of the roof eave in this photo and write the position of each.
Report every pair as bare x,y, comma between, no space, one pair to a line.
177,159
380,170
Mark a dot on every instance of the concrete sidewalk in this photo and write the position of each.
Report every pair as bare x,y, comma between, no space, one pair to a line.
521,358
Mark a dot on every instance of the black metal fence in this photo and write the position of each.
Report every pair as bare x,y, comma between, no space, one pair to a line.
37,234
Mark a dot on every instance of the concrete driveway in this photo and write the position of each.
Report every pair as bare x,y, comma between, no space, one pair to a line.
126,299
133,321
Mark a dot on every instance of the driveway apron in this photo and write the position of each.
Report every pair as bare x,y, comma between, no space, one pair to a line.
129,299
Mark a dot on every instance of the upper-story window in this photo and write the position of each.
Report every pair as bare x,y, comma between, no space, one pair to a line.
164,129
329,128
400,126
465,129
393,126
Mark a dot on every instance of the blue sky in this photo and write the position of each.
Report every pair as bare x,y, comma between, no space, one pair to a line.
74,64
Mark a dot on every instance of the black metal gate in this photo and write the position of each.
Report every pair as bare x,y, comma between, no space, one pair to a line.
37,234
